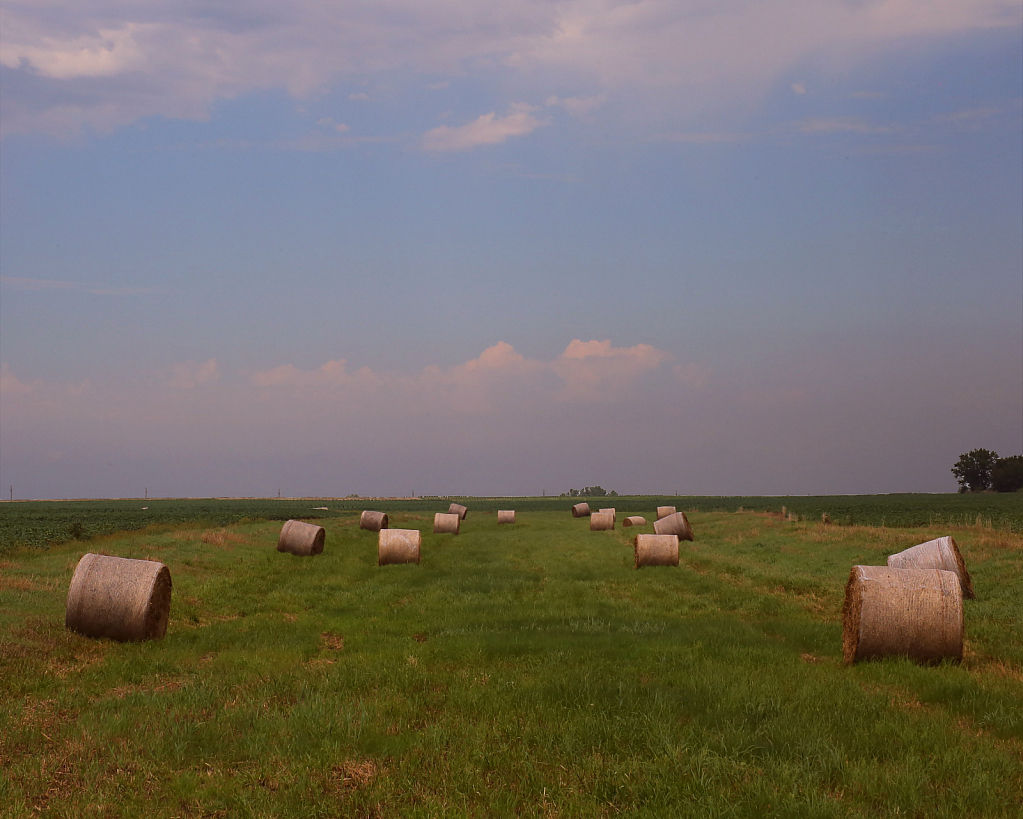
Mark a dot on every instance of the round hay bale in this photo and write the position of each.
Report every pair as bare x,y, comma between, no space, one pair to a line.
373,521
656,550
634,520
614,513
303,539
398,546
915,613
458,509
581,510
506,516
664,511
674,524
601,521
120,598
446,523
942,553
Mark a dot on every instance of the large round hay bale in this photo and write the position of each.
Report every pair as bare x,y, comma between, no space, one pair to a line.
634,520
581,510
458,509
942,553
601,521
446,523
656,550
120,598
664,511
398,546
915,613
612,510
674,524
303,539
373,521
506,516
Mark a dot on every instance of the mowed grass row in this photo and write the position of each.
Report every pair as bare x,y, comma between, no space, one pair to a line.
520,670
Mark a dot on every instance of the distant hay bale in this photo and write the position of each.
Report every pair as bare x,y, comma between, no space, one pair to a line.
664,511
581,510
458,509
398,546
674,524
506,516
601,521
446,523
120,598
303,539
942,553
825,518
614,513
915,613
373,521
656,550
634,520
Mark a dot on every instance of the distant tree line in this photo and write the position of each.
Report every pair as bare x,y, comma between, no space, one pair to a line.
589,492
980,470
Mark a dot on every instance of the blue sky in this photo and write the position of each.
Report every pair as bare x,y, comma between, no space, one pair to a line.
376,248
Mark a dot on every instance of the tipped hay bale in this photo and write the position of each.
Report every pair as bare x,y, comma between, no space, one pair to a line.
303,539
601,521
656,550
674,524
581,510
942,553
664,511
458,509
614,513
398,546
506,516
120,598
373,521
446,523
634,520
915,613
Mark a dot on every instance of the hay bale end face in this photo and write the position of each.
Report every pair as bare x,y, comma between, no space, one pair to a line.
581,510
656,550
506,516
612,510
299,538
915,613
634,520
674,524
396,546
446,523
120,598
664,511
601,521
458,509
942,553
373,521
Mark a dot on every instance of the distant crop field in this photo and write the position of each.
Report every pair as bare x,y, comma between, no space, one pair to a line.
519,670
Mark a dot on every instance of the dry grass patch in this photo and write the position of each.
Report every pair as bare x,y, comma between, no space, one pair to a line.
354,774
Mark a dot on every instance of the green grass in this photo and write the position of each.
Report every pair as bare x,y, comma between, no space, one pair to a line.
524,670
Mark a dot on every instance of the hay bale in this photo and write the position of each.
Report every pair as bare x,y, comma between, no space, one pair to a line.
664,511
581,510
942,553
915,613
656,550
458,509
398,546
601,521
373,521
634,520
506,516
120,598
614,513
446,523
674,524
303,539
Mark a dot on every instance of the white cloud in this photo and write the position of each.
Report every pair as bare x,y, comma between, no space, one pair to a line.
488,129
189,375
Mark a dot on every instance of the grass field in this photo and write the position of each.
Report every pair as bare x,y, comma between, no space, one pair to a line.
523,670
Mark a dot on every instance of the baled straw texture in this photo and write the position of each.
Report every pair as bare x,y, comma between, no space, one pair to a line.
915,613
303,539
664,511
634,520
398,546
581,510
942,553
674,524
656,550
458,509
612,510
373,521
506,516
446,523
116,597
601,521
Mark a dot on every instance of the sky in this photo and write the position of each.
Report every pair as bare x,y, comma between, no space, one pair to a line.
450,247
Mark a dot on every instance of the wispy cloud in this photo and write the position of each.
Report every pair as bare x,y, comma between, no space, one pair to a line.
54,284
840,125
488,129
